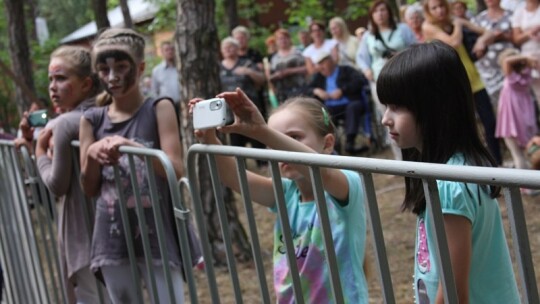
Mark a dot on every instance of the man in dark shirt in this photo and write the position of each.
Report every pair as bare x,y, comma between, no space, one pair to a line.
340,88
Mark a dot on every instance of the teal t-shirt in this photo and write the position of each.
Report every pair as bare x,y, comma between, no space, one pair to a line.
491,278
349,235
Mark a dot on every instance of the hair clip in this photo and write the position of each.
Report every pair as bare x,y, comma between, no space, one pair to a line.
325,117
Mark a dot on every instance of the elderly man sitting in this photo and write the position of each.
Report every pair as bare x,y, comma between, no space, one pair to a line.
341,88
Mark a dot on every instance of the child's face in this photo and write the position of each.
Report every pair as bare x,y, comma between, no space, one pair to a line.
437,10
402,127
459,10
117,72
66,89
290,123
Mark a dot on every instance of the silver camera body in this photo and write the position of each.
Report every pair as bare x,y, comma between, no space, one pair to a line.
212,113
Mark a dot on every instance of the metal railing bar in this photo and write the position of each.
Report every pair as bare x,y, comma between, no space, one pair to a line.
224,223
433,209
518,229
326,228
201,226
255,244
151,286
381,257
472,174
286,229
135,276
182,220
158,220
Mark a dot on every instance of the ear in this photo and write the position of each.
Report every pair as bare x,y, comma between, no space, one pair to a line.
87,84
329,141
142,66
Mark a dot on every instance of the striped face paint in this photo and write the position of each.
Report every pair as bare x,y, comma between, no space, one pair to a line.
116,70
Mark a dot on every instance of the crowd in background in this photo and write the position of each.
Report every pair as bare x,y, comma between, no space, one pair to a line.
483,41
498,47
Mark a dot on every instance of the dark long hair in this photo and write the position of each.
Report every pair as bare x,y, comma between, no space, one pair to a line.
430,81
374,28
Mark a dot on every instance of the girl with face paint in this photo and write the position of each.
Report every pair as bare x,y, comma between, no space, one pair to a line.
73,87
128,119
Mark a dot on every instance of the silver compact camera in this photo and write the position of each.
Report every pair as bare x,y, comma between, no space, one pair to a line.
212,113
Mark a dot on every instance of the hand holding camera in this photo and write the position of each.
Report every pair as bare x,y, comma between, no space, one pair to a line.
211,113
38,118
245,117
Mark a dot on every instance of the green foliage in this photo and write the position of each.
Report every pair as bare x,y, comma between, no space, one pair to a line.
301,12
356,9
112,4
65,16
41,56
165,18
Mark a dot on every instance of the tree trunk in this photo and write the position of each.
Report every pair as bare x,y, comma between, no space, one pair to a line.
25,90
19,51
100,14
128,23
197,59
231,13
33,14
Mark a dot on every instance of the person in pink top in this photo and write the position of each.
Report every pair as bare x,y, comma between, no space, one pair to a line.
516,121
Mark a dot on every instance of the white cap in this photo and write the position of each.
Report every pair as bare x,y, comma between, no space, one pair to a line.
321,56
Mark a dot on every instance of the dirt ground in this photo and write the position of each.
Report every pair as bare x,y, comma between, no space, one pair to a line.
399,233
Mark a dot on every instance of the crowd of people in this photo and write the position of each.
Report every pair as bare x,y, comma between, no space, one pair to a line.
415,79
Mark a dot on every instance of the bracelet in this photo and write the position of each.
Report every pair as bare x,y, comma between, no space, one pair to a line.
533,149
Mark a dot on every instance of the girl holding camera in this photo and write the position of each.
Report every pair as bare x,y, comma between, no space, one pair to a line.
301,124
384,38
73,87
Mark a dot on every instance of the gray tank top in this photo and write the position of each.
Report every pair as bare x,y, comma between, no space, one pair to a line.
108,241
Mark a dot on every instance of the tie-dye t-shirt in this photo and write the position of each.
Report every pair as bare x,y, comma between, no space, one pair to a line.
348,225
491,279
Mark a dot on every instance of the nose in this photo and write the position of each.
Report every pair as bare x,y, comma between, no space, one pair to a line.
112,76
386,120
52,86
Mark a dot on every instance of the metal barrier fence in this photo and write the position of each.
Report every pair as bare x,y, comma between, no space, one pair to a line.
509,179
28,228
28,236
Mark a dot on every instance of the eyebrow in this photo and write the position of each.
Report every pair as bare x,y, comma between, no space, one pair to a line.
115,54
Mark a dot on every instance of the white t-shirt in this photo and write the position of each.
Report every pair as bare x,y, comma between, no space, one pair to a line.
511,5
311,51
524,20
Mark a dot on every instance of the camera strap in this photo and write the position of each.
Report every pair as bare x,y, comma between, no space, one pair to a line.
380,38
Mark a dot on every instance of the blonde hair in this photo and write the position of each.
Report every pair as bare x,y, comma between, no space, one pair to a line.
341,23
430,18
315,113
506,53
241,30
124,39
229,40
79,60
